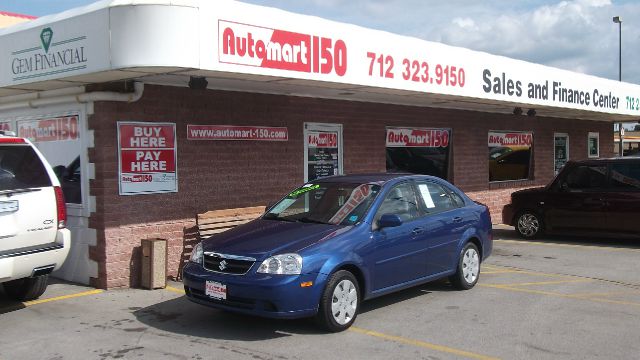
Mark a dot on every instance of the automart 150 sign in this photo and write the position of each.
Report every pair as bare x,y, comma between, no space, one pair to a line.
147,154
270,42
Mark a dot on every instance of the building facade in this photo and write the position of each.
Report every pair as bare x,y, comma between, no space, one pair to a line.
154,113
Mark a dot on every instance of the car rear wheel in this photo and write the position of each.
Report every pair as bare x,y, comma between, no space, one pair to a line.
26,289
529,224
468,271
340,302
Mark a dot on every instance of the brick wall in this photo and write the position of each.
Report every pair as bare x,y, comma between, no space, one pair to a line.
223,174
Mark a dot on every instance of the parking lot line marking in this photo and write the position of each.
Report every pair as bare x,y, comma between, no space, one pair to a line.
175,290
566,296
422,344
554,244
544,282
499,272
608,293
63,297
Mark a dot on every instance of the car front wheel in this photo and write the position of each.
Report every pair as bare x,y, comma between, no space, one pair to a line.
529,225
340,302
26,289
468,270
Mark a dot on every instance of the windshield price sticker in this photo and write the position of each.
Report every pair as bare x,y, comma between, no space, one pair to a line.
216,290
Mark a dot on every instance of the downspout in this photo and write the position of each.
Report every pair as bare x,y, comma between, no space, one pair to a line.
40,99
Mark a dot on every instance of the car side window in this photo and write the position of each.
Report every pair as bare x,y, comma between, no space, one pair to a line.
625,176
587,177
401,200
20,167
435,197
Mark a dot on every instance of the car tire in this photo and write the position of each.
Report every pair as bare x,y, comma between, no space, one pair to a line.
529,224
468,271
26,289
340,302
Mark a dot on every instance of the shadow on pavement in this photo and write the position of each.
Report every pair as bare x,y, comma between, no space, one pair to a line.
8,305
181,316
585,239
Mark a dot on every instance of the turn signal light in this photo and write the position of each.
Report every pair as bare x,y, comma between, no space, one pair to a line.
306,284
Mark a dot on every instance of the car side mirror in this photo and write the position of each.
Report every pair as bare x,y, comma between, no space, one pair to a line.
389,220
564,187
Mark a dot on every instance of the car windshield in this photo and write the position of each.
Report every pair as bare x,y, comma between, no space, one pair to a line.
325,203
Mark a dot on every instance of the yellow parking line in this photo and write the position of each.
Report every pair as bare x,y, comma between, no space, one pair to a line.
591,247
500,272
422,344
544,282
57,298
554,294
175,290
608,293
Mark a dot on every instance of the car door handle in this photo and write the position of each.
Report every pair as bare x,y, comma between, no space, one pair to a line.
457,219
417,231
592,201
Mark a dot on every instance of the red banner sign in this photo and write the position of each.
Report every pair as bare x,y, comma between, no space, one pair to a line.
224,132
323,140
510,139
61,128
407,137
250,45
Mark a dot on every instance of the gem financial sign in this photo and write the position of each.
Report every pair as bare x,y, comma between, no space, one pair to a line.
50,57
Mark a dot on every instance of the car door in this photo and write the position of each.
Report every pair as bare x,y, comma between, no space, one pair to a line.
623,198
578,202
399,254
444,223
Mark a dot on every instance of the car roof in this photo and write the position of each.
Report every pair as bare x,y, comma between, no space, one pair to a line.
373,177
606,160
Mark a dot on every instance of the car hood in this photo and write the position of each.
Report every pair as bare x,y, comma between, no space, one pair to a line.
262,238
529,193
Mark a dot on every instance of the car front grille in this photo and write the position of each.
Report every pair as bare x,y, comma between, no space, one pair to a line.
227,264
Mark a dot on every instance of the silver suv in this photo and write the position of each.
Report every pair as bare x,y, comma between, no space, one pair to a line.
34,240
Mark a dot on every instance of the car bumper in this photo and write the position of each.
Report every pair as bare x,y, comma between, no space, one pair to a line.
272,296
22,262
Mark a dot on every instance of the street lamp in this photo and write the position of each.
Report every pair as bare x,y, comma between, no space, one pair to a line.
618,20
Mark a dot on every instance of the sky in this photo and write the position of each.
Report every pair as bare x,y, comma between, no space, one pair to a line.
577,35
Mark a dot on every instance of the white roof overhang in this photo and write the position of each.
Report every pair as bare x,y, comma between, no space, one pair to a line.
244,47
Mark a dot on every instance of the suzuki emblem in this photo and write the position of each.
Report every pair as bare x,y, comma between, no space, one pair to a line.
222,265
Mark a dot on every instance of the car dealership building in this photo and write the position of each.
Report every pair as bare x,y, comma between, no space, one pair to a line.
155,111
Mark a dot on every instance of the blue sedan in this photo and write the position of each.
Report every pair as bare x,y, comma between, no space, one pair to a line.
332,243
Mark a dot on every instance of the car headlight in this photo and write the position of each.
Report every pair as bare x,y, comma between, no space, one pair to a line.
196,254
285,264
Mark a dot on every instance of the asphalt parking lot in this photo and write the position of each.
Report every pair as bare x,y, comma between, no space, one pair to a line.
557,298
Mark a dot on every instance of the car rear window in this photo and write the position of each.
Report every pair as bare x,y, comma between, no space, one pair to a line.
21,168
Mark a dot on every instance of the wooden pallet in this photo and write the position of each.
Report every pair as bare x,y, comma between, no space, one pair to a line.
217,221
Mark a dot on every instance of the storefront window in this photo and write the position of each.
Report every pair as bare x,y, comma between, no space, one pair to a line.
593,144
418,151
509,155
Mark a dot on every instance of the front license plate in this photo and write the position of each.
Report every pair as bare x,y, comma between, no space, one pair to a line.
216,290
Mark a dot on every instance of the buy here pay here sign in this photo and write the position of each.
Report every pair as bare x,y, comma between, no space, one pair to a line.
147,156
